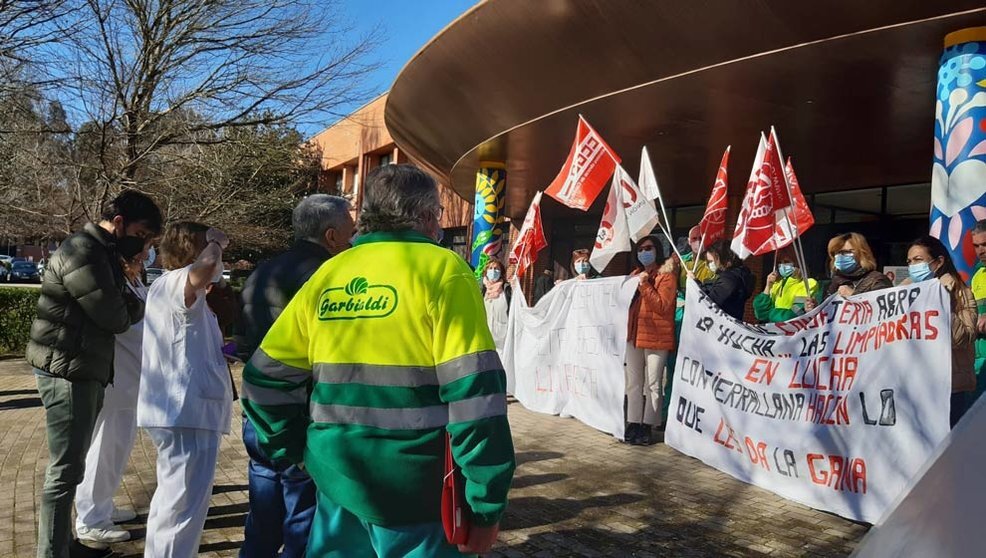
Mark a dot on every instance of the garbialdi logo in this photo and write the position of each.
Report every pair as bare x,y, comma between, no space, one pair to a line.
359,299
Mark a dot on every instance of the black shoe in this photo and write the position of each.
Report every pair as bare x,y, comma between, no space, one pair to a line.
79,550
645,438
632,432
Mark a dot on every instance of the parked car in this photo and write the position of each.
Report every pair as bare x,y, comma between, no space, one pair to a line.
24,272
153,273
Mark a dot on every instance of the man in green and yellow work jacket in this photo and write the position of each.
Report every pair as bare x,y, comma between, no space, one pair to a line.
383,351
978,284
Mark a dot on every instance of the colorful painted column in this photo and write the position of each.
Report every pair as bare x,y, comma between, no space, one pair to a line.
958,179
487,228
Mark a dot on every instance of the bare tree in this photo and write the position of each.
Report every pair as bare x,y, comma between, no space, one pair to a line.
143,66
26,25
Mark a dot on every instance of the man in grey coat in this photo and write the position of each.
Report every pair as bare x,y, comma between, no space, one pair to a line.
82,306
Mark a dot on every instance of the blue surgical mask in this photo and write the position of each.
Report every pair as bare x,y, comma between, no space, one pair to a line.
845,263
646,257
785,269
920,271
151,256
582,267
493,274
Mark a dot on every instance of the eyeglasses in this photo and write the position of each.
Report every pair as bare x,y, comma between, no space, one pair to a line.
845,253
441,211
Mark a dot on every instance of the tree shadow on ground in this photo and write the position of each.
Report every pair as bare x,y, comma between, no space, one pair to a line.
535,480
13,392
224,488
539,510
532,456
23,403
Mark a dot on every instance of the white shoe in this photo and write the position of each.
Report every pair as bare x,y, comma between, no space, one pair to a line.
123,515
109,534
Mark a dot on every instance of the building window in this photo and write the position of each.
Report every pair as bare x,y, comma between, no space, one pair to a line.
386,159
456,239
339,183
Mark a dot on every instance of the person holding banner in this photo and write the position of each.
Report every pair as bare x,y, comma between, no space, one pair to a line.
733,283
496,298
650,338
927,258
854,269
784,295
581,269
691,254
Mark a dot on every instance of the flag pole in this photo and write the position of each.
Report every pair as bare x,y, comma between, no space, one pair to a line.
792,213
664,213
700,246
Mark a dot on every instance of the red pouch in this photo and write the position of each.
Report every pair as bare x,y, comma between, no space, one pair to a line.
455,512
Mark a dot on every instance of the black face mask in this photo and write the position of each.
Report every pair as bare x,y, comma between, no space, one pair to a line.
129,246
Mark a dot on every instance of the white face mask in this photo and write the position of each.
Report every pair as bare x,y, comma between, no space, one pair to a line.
713,267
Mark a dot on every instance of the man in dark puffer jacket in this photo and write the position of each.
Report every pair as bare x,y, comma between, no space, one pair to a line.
282,495
81,308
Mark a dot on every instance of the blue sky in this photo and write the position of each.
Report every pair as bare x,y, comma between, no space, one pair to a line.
406,24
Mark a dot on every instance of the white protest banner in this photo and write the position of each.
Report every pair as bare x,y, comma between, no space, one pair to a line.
836,409
942,513
564,356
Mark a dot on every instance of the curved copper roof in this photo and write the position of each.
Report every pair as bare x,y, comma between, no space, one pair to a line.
849,85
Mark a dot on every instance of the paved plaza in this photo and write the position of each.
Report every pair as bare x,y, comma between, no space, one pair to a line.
577,492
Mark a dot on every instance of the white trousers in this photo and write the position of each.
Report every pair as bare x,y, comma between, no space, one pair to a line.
112,441
644,370
186,468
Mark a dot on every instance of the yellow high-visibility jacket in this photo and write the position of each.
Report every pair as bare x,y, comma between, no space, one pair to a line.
382,351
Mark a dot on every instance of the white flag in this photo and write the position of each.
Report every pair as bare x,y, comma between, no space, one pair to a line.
739,244
640,212
613,236
647,180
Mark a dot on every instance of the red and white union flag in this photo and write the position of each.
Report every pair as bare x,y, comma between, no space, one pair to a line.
530,240
589,165
713,223
754,234
802,216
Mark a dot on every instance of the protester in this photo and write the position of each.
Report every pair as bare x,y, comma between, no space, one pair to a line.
581,269
927,258
784,295
114,432
650,337
692,256
381,353
186,395
282,495
82,306
978,284
853,267
496,297
543,284
733,282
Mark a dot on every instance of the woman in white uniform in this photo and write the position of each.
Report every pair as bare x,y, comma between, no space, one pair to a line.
116,428
186,393
496,298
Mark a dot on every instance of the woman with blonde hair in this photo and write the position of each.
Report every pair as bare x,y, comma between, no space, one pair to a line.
854,268
186,394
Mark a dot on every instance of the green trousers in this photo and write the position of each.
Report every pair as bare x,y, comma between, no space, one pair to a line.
71,409
336,533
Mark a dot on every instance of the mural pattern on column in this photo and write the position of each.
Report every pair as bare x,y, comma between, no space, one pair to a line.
488,221
958,182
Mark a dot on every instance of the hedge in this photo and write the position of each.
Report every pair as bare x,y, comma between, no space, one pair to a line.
18,307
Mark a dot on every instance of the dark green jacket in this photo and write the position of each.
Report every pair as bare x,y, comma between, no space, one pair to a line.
81,308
